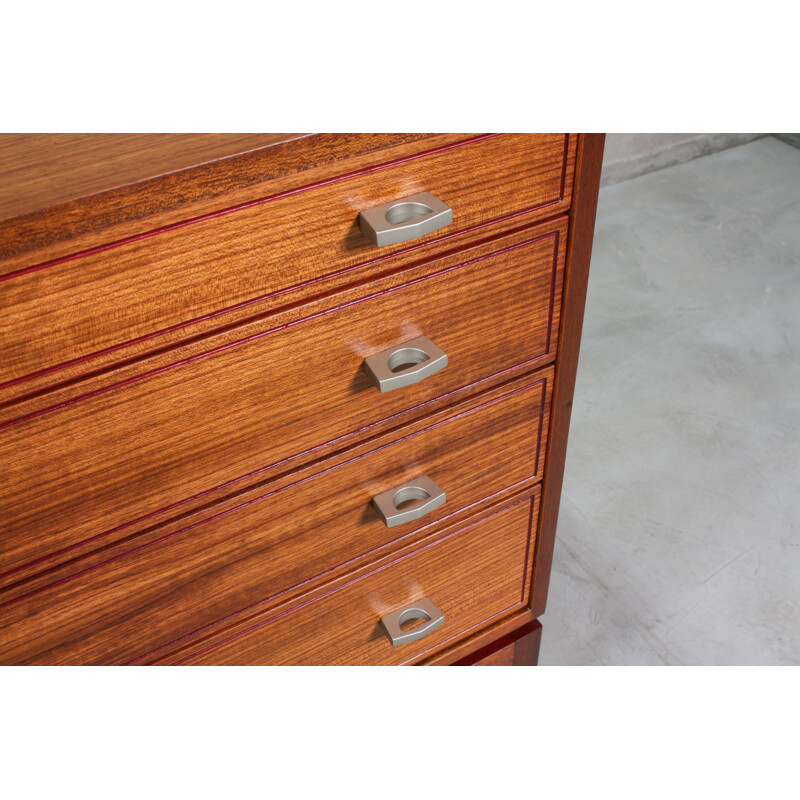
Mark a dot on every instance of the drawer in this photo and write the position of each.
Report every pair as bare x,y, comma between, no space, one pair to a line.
474,577
197,429
154,289
243,556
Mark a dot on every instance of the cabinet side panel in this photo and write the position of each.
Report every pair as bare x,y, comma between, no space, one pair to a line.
579,253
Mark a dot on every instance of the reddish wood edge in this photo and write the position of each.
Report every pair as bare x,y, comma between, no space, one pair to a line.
529,656
480,639
529,546
589,162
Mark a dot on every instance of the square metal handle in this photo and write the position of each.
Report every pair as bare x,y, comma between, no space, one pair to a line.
424,610
422,489
406,364
404,219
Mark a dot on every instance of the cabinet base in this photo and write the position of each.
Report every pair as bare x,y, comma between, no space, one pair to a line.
520,648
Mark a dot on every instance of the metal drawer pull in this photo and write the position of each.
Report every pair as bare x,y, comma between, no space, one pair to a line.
424,609
404,219
387,504
406,364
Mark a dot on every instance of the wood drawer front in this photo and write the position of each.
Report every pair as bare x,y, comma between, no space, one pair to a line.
216,421
186,578
474,577
78,306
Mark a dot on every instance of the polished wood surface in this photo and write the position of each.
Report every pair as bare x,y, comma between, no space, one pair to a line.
473,576
582,217
189,442
93,466
579,253
500,658
174,280
41,170
167,190
180,579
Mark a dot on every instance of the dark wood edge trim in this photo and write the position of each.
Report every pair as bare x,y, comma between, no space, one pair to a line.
530,496
529,547
294,323
526,650
576,275
479,639
461,634
507,640
136,546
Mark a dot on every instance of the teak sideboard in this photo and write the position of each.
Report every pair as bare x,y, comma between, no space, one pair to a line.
286,398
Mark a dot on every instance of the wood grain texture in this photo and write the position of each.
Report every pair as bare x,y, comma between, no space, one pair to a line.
167,191
189,441
284,396
579,253
165,287
473,575
244,557
73,379
519,648
42,170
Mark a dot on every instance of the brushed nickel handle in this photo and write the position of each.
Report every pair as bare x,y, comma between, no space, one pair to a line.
423,489
404,219
424,609
405,364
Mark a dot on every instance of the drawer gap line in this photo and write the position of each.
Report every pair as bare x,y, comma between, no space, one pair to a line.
262,334
216,489
350,582
248,503
262,298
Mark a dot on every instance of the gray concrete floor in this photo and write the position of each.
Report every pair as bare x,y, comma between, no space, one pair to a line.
679,532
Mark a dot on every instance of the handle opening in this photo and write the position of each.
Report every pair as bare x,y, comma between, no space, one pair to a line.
408,496
409,502
405,212
400,627
406,364
411,616
404,219
405,358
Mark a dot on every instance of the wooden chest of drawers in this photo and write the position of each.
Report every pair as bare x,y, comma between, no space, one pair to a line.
202,464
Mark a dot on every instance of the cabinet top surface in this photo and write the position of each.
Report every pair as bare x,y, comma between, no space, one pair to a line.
67,192
40,170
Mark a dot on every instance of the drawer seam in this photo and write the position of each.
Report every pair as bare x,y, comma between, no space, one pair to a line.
315,316
437,541
261,298
136,549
